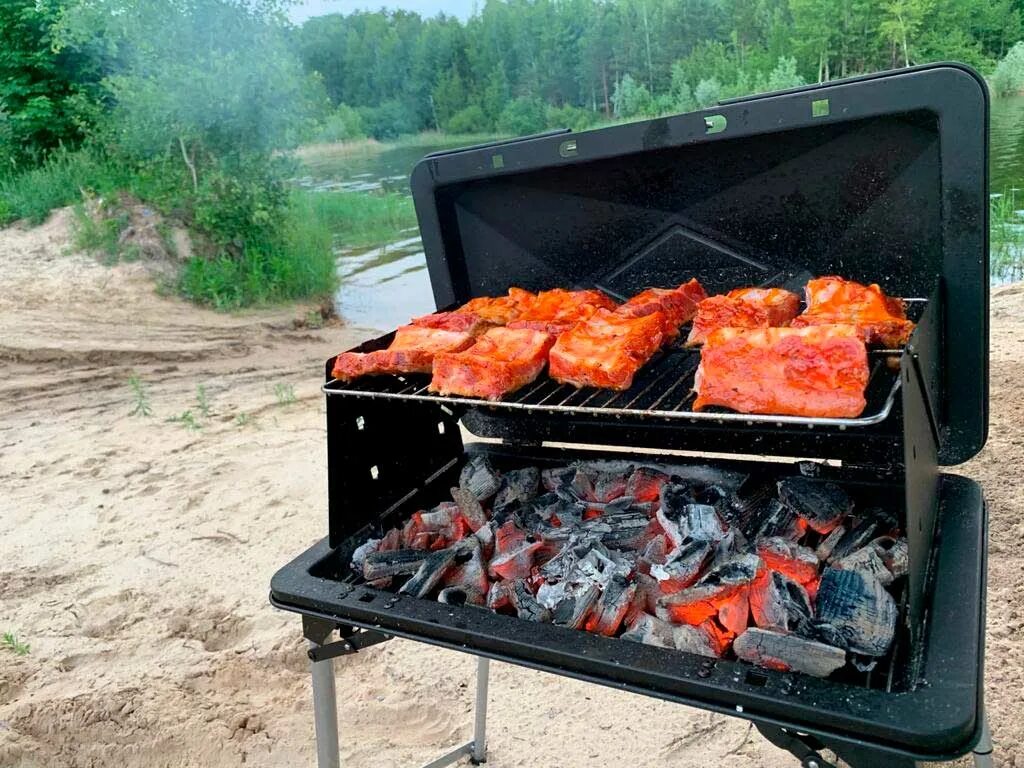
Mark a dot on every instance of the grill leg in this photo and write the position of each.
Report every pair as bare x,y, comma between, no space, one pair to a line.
483,669
983,752
325,713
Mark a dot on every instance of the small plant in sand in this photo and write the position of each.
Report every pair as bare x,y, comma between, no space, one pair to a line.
245,420
187,419
140,403
13,644
285,394
202,402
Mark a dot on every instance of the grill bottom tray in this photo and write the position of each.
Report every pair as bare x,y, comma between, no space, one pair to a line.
937,719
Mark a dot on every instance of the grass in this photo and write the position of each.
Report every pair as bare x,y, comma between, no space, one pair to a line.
285,394
60,181
140,398
1006,236
297,265
186,419
11,643
360,219
202,402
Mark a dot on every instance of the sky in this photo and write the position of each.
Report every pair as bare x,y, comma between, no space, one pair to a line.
308,8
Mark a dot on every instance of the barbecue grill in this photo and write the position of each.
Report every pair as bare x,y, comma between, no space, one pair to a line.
879,179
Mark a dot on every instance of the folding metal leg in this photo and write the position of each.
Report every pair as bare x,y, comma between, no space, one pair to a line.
325,713
325,700
483,671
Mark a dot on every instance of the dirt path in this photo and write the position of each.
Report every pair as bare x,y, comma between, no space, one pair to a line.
137,553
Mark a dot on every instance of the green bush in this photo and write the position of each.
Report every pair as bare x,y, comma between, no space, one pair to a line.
576,118
388,121
343,124
296,263
240,203
708,92
522,117
783,76
631,99
361,219
469,120
1008,77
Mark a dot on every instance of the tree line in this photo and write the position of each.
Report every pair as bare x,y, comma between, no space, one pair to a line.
518,65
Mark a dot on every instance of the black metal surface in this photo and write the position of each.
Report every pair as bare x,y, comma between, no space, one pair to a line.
932,715
889,187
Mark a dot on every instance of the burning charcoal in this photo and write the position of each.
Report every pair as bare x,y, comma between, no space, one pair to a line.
895,554
468,572
700,640
734,612
392,540
780,521
627,530
649,630
645,484
867,561
748,505
609,486
499,596
517,486
432,529
456,596
821,504
733,543
526,604
556,477
683,567
855,612
700,602
780,604
485,535
429,574
701,522
513,553
395,562
611,609
599,566
855,538
715,496
788,652
797,562
480,478
359,556
824,549
470,507
655,553
573,610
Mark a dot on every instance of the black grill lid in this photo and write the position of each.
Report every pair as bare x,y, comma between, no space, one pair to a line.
878,179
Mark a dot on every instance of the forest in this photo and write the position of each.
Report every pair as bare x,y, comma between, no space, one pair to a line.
522,65
192,107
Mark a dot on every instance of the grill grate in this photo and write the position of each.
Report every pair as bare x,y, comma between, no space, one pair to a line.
663,389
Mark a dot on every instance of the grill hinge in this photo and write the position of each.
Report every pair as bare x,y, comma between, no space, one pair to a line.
352,641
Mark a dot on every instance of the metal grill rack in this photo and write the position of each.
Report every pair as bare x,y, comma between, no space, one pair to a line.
663,389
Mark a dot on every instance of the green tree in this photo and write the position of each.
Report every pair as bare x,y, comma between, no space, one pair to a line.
901,27
707,92
522,117
49,97
631,99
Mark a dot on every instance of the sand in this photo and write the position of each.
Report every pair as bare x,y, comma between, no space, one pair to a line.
137,552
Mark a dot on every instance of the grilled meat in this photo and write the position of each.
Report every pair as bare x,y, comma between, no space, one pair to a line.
412,351
880,319
559,310
501,361
816,372
743,308
606,350
676,305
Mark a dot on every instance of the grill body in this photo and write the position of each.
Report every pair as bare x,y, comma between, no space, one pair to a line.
888,187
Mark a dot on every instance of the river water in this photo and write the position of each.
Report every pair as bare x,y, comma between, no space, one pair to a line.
383,287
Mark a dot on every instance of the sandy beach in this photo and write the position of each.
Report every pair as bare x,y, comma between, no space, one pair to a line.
138,550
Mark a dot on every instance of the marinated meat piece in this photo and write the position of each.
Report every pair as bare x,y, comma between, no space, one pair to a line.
559,310
880,319
743,308
501,310
677,305
457,320
412,351
816,372
501,361
606,350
